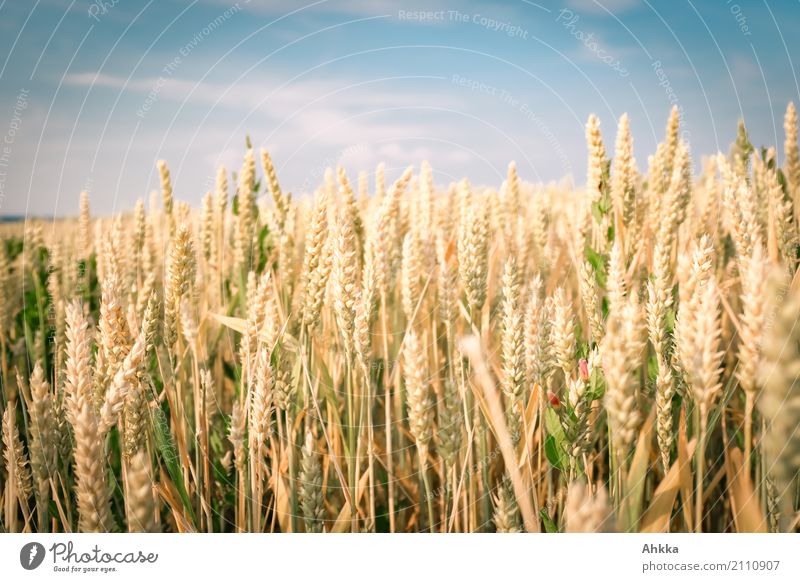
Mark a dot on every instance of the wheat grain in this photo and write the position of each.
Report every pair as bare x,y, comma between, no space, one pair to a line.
344,277
562,333
780,400
92,486
310,493
420,404
473,249
506,511
586,512
17,469
623,189
42,444
792,157
621,348
141,506
538,341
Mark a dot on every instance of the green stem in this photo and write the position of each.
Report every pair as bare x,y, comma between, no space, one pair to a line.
290,444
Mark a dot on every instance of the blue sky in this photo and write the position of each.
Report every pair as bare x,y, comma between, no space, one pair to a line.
92,94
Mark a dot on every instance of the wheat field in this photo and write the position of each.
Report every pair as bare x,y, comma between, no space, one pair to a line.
403,356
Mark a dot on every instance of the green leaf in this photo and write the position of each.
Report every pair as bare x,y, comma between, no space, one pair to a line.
14,247
555,444
652,369
605,204
168,451
605,307
597,385
549,526
557,458
265,245
669,319
598,263
606,174
583,348
597,213
782,181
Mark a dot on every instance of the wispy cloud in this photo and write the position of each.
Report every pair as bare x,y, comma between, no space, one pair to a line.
352,95
603,6
361,122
